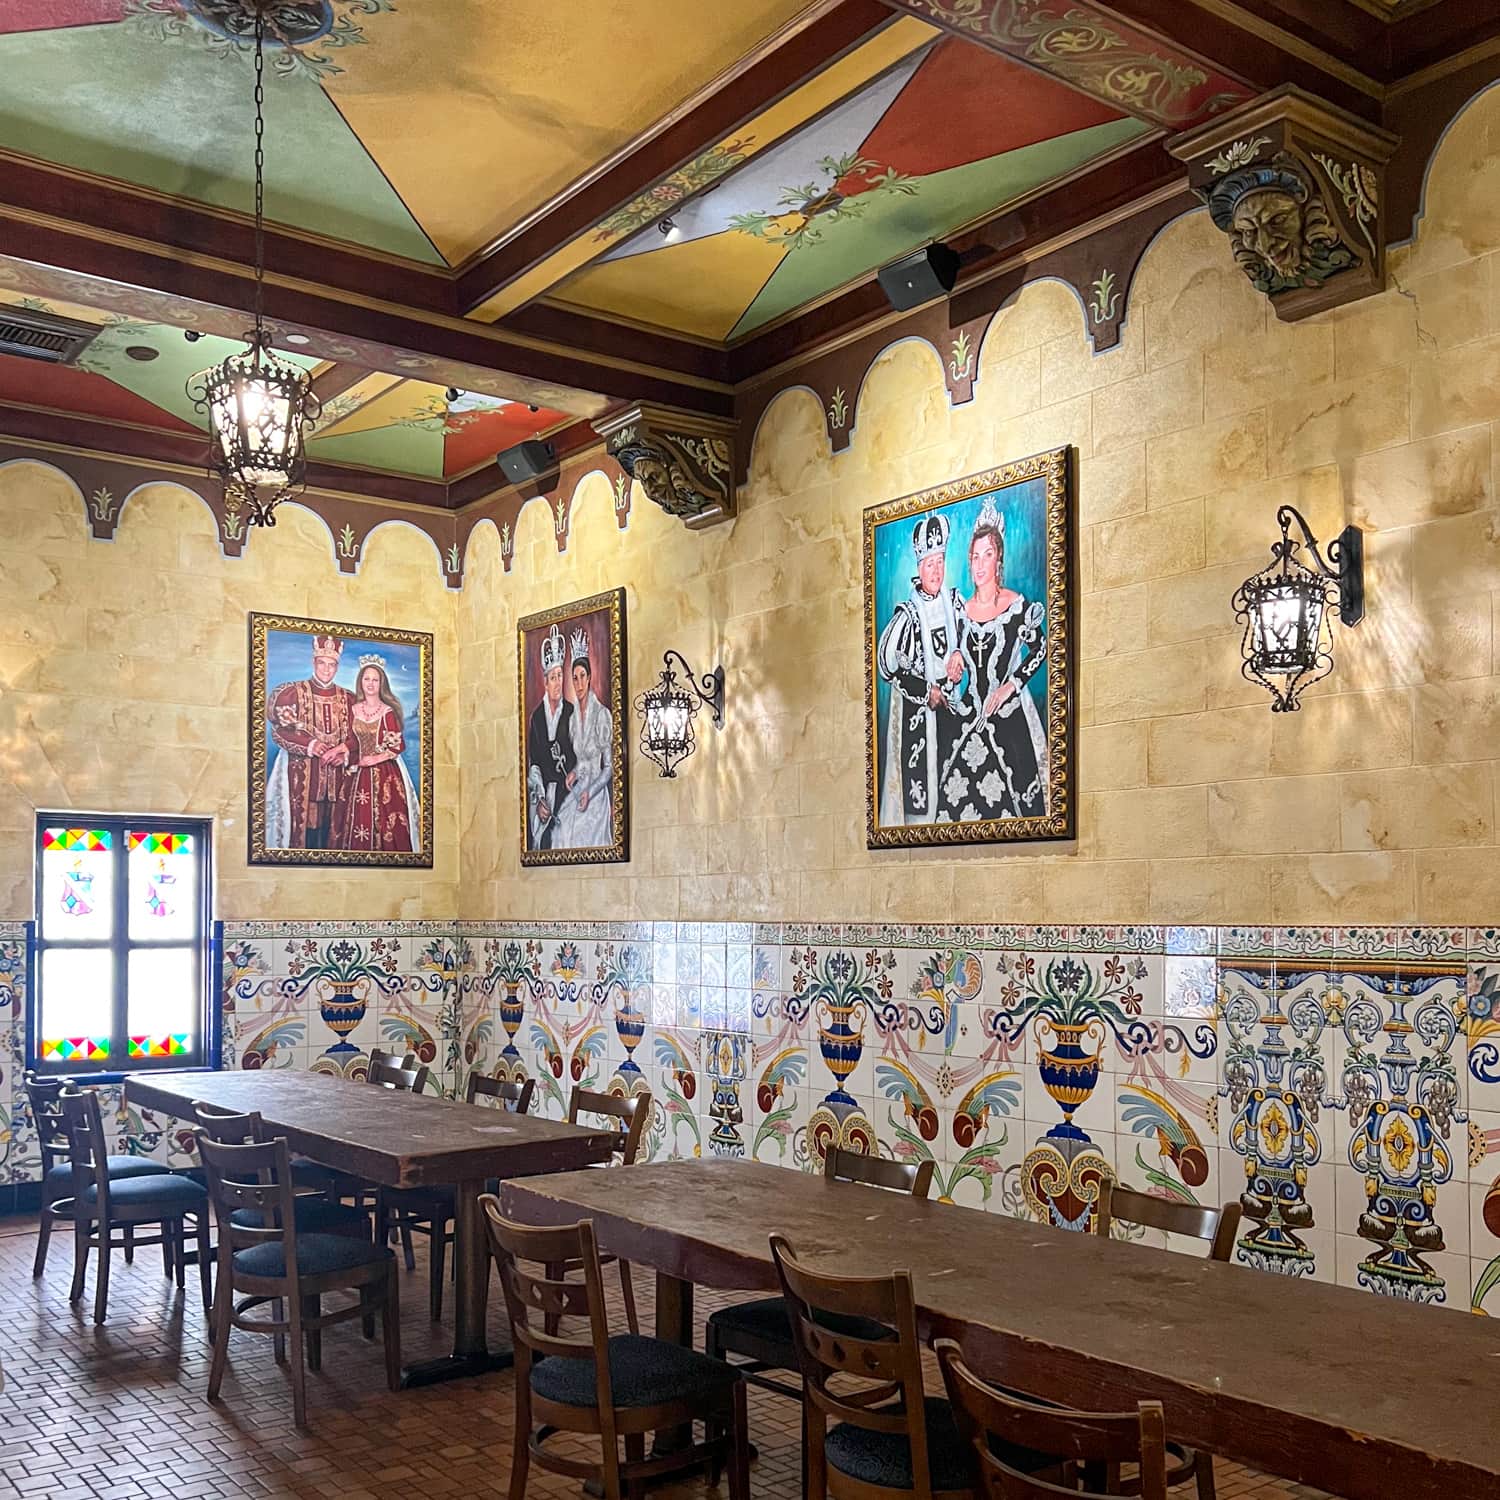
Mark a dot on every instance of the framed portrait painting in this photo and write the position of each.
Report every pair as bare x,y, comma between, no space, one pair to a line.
574,787
340,743
969,659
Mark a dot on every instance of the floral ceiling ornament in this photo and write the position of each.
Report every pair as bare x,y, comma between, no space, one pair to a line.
803,213
1295,185
698,174
301,35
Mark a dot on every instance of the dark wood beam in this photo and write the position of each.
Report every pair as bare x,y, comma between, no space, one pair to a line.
1265,54
1137,71
807,52
78,263
337,379
1429,38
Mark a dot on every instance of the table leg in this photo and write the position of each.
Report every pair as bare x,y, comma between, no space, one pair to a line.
471,1258
674,1322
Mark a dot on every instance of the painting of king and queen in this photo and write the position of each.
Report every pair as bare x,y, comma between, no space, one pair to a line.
969,659
340,743
572,713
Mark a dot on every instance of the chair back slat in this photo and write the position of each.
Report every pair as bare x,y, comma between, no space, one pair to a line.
1218,1226
515,1097
1080,1437
546,1293
88,1147
629,1114
45,1097
402,1071
881,1370
228,1126
255,1176
840,1165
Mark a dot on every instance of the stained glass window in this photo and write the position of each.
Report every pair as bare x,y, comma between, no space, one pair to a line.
122,936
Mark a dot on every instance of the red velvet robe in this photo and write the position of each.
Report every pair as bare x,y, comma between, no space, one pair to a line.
305,718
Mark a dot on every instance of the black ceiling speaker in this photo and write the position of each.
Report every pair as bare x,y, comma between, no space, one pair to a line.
528,460
921,276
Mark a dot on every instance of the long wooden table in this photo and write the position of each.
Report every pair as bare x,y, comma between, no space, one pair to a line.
397,1140
1364,1396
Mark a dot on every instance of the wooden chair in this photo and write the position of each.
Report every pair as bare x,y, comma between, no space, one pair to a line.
315,1213
759,1333
991,1421
861,1361
262,1255
431,1210
620,1386
45,1096
401,1071
1217,1226
99,1205
631,1117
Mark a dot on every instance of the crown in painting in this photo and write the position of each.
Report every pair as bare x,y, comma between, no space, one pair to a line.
930,535
553,650
578,645
327,645
372,661
990,519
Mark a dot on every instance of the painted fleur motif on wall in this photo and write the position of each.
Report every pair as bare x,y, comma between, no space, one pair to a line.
803,213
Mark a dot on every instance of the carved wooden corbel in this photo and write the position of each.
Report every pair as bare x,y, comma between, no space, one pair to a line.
683,461
1299,188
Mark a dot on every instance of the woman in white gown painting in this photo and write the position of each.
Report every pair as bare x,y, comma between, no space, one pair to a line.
584,819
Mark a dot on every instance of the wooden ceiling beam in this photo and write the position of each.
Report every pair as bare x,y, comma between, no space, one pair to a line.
72,262
1262,50
835,29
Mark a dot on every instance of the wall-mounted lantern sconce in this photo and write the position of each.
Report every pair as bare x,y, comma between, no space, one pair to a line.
667,712
1288,635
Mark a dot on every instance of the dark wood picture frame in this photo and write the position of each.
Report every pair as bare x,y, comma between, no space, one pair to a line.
531,633
1053,719
264,771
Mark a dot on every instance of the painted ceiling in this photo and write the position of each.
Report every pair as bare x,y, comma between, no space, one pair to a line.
939,136
138,373
423,128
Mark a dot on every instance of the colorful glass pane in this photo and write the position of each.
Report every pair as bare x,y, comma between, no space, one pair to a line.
77,883
77,997
163,999
163,885
75,1048
175,1045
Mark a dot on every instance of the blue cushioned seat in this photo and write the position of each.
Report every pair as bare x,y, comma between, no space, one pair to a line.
317,1254
117,1166
642,1372
314,1216
767,1320
165,1190
884,1458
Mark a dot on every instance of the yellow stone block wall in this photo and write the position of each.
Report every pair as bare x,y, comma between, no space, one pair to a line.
1376,803
123,687
122,665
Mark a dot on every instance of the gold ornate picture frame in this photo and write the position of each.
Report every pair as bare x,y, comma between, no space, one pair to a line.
970,659
574,699
340,731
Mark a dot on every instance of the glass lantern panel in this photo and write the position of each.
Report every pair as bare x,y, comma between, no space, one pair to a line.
162,1009
163,875
78,986
77,884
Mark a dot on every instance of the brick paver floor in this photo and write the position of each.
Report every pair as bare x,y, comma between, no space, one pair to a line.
118,1413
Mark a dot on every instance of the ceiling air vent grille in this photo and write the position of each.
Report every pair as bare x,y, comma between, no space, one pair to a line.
43,335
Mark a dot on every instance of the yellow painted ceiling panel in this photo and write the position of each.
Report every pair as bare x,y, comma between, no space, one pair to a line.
698,287
358,408
521,100
882,51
